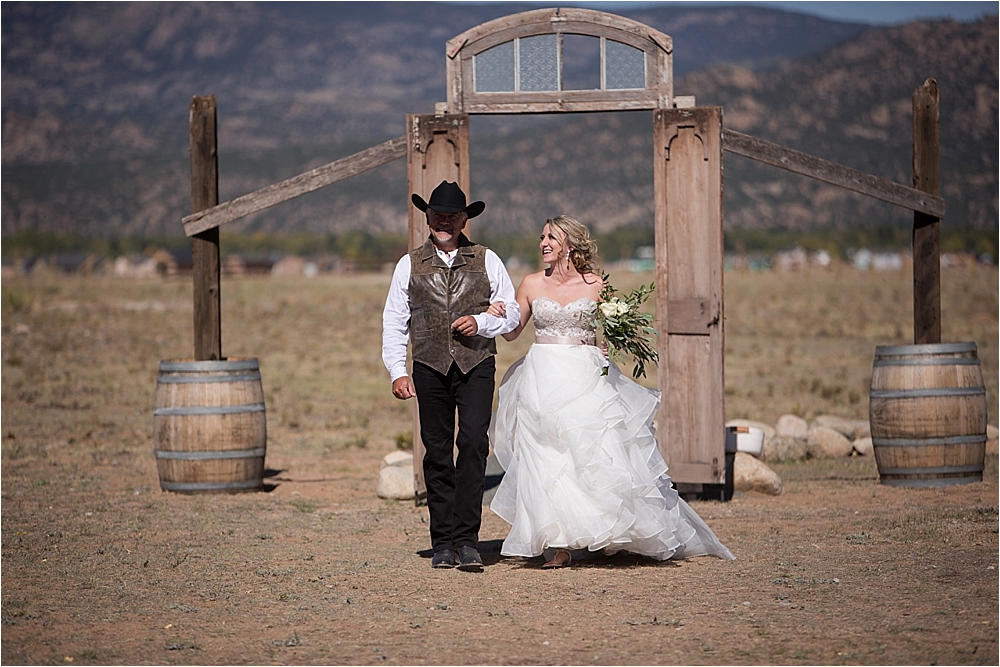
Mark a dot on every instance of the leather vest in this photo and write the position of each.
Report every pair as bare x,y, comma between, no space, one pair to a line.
439,295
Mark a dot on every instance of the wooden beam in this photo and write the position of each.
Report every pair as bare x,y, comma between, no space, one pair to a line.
647,101
206,268
276,193
926,228
833,173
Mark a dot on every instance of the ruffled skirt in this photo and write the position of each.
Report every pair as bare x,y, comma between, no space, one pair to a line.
582,470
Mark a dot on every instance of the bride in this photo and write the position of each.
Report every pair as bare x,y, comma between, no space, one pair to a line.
582,467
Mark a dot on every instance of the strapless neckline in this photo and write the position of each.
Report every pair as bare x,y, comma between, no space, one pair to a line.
554,320
564,307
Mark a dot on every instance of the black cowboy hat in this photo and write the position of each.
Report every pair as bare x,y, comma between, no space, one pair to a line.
448,198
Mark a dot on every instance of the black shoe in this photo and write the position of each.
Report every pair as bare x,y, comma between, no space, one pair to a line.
444,558
471,560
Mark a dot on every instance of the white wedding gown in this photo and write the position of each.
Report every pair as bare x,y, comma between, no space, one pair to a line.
582,470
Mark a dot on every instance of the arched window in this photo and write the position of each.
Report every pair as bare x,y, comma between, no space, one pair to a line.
552,60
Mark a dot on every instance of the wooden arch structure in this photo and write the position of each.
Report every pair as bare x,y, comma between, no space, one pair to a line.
521,64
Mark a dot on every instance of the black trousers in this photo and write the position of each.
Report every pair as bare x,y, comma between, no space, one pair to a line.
455,487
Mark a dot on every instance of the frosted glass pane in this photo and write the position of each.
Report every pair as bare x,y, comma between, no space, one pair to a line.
494,69
624,66
538,63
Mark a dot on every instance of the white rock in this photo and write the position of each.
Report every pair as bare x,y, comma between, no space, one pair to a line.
791,425
845,426
395,482
863,446
766,428
749,474
784,448
991,440
823,442
397,458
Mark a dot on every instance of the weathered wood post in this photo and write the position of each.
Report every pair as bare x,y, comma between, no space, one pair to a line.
437,149
926,228
205,245
209,422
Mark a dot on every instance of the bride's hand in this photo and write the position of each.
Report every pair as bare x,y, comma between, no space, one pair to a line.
604,350
497,309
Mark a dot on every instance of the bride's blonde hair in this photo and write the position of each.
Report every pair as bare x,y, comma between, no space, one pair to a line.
584,251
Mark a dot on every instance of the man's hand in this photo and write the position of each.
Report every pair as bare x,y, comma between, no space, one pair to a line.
497,309
402,388
466,325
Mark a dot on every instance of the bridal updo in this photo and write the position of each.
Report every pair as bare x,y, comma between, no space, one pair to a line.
584,251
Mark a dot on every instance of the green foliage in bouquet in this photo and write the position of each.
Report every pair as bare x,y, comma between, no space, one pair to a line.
625,328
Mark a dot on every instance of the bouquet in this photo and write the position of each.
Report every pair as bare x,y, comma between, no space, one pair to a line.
625,328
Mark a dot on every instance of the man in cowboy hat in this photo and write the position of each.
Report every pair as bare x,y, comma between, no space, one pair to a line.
437,300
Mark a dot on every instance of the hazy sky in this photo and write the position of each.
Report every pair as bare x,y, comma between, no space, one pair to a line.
875,13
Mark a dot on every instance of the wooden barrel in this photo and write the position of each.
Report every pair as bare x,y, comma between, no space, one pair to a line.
209,428
928,414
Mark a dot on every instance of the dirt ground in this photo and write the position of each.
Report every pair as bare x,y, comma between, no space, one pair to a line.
101,567
839,570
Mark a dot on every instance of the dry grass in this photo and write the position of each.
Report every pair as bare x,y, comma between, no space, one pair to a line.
101,567
803,343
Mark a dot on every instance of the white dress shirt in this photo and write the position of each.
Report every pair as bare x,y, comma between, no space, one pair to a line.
396,316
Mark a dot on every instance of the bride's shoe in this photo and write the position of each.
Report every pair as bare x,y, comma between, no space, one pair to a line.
562,558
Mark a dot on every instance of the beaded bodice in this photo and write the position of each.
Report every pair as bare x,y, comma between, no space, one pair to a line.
574,320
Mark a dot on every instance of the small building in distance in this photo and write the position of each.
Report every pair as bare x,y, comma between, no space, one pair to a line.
238,265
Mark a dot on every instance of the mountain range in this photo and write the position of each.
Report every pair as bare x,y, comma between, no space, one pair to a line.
95,97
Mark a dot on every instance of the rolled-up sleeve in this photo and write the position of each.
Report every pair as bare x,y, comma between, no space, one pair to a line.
396,321
501,289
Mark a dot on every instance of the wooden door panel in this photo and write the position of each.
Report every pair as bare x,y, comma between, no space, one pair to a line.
689,403
688,202
687,233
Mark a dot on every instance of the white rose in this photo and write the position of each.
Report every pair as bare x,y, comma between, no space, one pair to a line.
622,307
609,309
